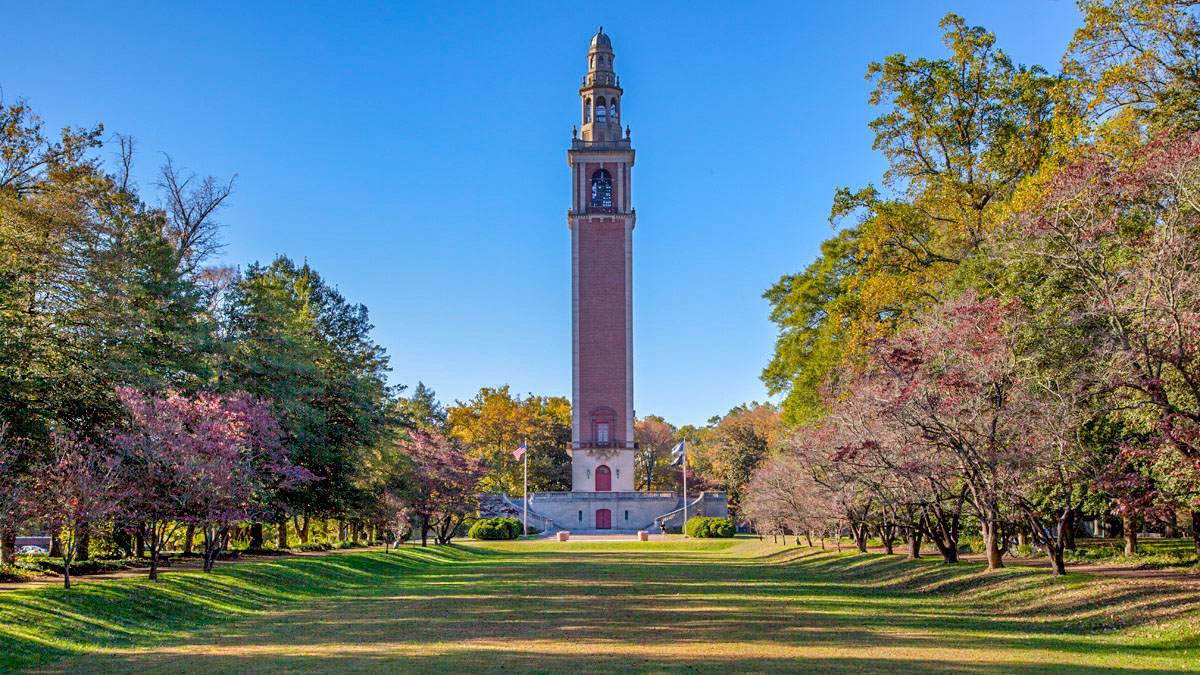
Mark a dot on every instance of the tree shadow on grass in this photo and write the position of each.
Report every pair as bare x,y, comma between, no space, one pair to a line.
452,610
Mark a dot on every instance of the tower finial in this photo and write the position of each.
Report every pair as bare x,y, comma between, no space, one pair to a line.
601,29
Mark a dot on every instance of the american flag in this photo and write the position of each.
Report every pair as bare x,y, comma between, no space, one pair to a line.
519,452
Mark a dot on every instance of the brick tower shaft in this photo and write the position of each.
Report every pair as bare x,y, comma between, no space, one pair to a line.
601,221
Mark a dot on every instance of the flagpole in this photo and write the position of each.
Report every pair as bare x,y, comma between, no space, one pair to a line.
685,534
525,518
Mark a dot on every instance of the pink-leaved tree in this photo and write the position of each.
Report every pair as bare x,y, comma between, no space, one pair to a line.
78,487
209,461
1123,235
15,497
445,484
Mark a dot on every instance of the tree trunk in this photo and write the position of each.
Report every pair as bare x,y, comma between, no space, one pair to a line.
305,530
1171,528
8,546
991,542
913,535
139,542
1196,531
79,543
83,545
808,537
1022,535
991,535
1067,529
282,537
859,531
886,535
1059,544
123,541
56,549
1059,566
256,535
215,538
1130,531
189,539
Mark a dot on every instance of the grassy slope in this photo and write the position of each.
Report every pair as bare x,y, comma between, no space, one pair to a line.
583,607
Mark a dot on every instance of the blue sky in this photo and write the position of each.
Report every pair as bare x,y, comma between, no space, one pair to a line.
415,154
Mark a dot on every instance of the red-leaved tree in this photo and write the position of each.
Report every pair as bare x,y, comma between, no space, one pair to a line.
445,484
1124,237
15,497
78,487
209,461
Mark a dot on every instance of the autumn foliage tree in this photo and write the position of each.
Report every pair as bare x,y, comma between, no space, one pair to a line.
78,488
495,422
655,437
1003,336
1123,237
16,498
445,484
207,460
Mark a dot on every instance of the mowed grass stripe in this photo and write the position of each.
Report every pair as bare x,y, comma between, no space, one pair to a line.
596,607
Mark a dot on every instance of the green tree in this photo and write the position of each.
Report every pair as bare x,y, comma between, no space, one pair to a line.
423,409
961,134
295,340
736,445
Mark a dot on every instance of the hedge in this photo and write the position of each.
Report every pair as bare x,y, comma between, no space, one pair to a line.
495,528
315,546
56,566
710,528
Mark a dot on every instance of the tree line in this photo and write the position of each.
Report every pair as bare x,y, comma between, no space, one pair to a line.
154,399
1004,334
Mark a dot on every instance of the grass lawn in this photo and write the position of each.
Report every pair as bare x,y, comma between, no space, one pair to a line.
716,607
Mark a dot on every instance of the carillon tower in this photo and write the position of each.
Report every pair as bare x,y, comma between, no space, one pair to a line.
602,496
601,221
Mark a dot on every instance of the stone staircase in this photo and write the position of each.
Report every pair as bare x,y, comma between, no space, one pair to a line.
494,505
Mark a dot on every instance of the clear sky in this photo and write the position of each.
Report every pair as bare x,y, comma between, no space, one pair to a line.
415,154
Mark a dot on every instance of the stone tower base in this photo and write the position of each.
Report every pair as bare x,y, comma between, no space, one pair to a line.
628,511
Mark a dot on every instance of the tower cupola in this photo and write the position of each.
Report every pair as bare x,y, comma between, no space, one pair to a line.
600,94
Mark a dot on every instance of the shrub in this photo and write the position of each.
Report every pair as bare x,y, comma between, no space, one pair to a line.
350,544
710,528
495,528
55,565
19,571
262,551
315,546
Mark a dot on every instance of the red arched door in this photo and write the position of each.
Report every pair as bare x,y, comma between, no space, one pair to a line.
603,479
603,519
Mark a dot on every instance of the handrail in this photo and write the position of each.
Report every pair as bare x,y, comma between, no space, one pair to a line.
660,520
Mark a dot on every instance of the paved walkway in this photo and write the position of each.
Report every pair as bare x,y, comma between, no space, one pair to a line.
1169,574
610,537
